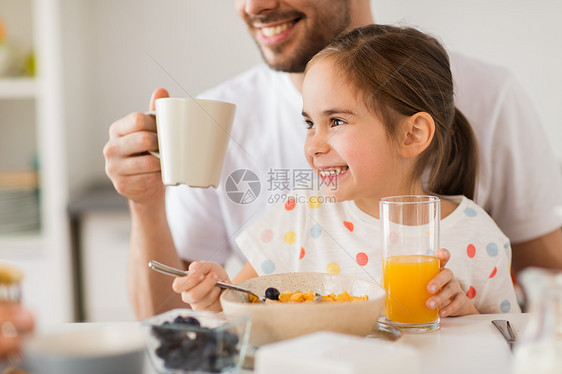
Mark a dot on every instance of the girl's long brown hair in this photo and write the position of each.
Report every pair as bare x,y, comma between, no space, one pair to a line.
400,71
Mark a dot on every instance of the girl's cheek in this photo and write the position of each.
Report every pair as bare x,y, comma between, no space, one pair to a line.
310,161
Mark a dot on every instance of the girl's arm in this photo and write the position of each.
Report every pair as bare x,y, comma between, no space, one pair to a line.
246,273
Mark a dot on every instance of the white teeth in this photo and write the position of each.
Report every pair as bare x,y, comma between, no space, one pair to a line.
275,30
333,172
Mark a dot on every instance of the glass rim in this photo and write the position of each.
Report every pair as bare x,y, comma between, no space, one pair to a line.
223,322
415,199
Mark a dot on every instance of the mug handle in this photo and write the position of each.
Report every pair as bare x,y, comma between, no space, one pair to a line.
154,153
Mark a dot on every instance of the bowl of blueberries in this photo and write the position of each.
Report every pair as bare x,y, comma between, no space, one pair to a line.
188,341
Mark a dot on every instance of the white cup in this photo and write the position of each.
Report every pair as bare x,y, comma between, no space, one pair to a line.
192,138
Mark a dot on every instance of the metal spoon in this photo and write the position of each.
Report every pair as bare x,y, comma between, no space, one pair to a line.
168,270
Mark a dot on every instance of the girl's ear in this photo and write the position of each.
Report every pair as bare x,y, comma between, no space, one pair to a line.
419,131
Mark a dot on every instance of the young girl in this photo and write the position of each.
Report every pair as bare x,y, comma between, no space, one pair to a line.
379,109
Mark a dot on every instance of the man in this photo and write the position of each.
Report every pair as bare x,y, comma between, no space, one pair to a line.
519,182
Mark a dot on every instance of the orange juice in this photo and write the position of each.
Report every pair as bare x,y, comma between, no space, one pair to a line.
405,280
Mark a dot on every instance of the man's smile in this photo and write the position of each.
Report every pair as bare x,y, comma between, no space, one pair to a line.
274,33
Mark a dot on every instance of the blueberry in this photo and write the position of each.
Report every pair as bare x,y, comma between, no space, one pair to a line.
174,359
202,350
209,356
229,340
224,362
188,345
162,352
189,321
206,336
272,293
165,334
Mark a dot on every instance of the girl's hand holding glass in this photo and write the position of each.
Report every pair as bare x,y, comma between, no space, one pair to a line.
448,293
198,289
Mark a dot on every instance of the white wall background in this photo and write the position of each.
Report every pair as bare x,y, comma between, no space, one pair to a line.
523,35
118,51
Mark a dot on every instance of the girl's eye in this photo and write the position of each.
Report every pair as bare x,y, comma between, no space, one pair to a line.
337,122
309,124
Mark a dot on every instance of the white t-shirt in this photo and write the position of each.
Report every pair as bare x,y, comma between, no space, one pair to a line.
519,182
340,238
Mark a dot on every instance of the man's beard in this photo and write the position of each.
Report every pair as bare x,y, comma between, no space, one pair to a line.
296,63
312,44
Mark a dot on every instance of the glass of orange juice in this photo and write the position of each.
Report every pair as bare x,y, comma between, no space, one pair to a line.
409,245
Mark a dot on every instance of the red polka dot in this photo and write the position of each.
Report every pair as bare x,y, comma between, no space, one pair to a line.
349,225
471,250
290,203
266,235
302,253
362,258
493,273
471,293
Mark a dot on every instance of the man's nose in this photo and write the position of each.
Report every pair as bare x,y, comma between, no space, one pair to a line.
257,7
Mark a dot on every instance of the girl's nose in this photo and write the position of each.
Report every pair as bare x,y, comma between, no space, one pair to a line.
257,7
316,144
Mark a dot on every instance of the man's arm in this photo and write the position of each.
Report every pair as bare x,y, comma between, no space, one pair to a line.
151,292
544,251
136,175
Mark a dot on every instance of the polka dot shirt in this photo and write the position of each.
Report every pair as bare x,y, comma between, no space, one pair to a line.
309,233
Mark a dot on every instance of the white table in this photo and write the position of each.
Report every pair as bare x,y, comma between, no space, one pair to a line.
463,345
469,344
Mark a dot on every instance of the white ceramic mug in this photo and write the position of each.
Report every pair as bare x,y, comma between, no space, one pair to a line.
192,138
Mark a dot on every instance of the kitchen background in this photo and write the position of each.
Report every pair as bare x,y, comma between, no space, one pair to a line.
69,68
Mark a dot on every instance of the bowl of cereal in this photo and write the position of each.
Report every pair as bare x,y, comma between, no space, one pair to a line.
302,303
188,341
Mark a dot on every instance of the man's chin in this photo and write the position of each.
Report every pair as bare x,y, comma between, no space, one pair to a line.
294,64
285,66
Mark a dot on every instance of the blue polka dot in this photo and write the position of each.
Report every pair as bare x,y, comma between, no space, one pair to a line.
470,212
505,306
429,252
267,267
506,245
492,249
316,231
